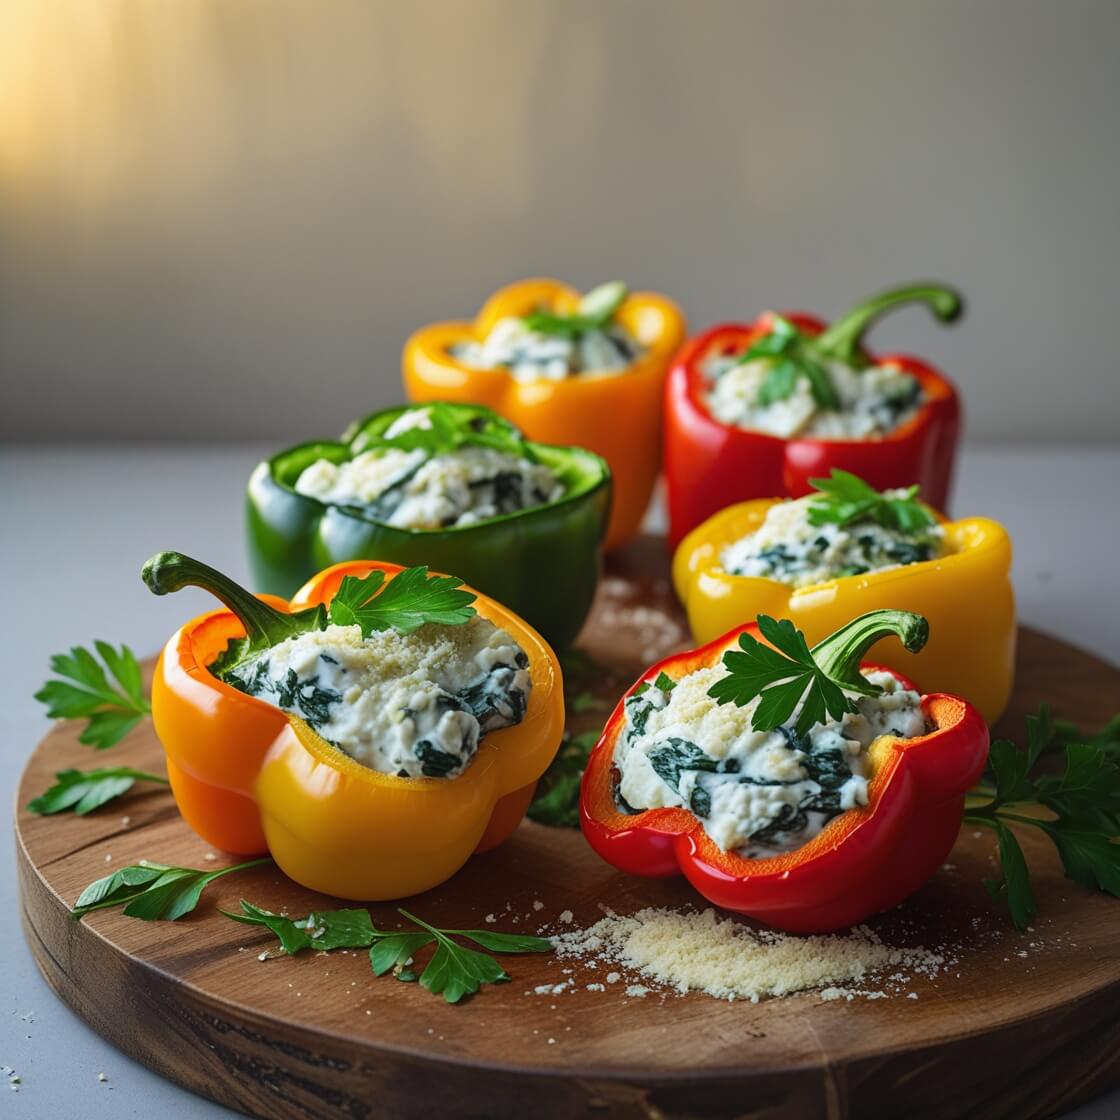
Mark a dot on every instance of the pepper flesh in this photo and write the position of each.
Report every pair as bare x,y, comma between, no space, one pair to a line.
710,464
966,594
543,562
616,415
863,861
250,778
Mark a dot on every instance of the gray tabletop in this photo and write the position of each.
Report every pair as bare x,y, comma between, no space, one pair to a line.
79,521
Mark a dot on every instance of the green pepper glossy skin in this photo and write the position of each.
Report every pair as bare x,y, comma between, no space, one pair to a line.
542,562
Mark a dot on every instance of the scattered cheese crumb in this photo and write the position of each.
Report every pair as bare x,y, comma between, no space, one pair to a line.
638,991
596,987
613,977
537,904
552,1042
108,857
210,857
912,995
566,916
102,1077
126,821
729,960
490,919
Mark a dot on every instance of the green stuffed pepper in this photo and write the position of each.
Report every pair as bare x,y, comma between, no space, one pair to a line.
453,486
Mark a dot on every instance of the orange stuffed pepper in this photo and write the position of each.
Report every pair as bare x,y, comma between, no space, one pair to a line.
587,371
297,729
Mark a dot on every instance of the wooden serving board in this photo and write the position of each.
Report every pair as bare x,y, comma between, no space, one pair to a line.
1023,1024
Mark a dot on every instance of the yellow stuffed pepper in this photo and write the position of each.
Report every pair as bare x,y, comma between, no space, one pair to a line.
847,549
370,735
583,370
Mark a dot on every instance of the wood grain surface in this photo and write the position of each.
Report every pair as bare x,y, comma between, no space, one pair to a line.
1022,1025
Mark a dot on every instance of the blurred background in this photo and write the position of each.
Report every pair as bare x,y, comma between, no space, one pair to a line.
219,219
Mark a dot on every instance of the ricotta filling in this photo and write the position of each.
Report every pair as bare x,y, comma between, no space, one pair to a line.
531,355
873,401
756,793
418,490
414,705
789,548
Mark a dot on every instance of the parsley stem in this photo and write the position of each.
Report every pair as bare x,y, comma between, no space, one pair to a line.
172,571
843,340
840,654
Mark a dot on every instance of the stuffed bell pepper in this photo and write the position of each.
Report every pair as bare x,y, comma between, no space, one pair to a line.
586,370
848,548
370,735
789,784
449,485
753,411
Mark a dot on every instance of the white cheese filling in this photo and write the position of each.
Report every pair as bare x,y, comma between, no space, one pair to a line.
757,793
406,704
531,355
873,401
788,548
418,490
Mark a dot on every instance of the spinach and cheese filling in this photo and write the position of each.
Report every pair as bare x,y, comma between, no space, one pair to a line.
863,404
757,793
414,705
793,547
422,488
546,346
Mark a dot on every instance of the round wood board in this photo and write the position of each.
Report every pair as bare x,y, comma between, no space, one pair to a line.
1022,1024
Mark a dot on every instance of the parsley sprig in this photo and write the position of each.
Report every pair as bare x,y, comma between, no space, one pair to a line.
153,891
404,604
83,690
594,312
85,790
787,672
411,599
791,356
1078,808
453,971
445,428
844,498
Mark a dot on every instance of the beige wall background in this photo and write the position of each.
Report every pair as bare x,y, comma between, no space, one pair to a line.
220,218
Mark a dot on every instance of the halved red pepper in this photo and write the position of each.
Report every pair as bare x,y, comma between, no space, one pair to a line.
710,465
863,861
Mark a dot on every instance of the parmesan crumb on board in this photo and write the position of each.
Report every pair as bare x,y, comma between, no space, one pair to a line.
689,951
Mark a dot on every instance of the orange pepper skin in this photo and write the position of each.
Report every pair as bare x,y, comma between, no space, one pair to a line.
250,779
863,861
616,415
966,595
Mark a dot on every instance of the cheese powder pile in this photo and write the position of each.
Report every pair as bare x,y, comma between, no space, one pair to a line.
689,951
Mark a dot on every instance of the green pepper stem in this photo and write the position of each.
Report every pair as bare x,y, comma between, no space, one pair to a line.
839,655
172,571
843,340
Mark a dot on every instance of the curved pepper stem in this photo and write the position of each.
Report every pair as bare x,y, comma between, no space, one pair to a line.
264,625
843,340
838,656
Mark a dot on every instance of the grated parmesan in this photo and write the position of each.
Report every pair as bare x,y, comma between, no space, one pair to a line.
707,952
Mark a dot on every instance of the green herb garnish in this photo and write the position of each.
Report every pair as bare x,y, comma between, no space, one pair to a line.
112,710
595,311
405,603
453,970
790,356
663,683
1078,809
557,799
411,600
153,891
790,673
451,426
86,790
845,498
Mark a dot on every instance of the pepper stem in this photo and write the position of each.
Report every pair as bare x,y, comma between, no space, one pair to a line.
839,655
264,625
843,340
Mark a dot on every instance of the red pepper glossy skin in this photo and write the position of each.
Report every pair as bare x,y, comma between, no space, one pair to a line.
710,465
863,861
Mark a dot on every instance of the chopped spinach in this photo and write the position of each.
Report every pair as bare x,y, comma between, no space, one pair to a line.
701,800
312,702
434,762
673,757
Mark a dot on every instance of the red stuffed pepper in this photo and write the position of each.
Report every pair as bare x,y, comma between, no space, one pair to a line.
841,788
755,411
